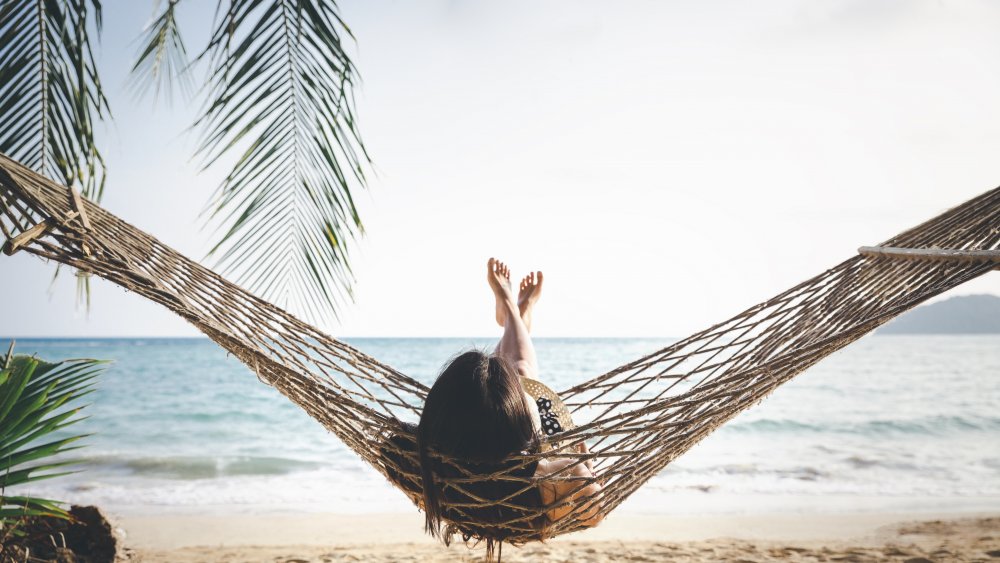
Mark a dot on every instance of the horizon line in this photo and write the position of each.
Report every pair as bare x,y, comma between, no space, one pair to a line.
202,336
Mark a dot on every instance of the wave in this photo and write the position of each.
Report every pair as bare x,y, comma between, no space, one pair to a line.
801,473
199,467
931,425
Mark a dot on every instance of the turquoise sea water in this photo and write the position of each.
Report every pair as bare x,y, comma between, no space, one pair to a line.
890,423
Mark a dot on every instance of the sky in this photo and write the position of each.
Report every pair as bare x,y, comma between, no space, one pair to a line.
666,164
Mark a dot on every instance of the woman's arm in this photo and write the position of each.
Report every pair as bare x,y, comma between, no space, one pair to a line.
565,476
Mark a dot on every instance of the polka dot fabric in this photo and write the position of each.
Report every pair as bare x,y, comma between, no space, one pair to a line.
552,413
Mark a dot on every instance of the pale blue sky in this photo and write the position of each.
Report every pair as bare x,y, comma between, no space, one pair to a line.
666,164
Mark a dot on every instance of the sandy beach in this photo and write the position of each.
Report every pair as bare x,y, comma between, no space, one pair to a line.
300,538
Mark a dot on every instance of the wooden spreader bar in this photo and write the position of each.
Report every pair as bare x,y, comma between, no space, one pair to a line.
43,227
932,254
39,229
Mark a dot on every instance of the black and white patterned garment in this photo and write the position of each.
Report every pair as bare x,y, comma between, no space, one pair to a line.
549,420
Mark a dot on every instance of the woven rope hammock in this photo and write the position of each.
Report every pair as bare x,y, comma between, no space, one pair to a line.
636,418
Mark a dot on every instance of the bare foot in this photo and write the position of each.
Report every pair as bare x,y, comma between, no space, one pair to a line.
498,276
531,290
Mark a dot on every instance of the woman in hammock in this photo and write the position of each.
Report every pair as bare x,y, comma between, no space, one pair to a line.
478,412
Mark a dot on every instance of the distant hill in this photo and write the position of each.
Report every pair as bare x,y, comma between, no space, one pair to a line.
970,314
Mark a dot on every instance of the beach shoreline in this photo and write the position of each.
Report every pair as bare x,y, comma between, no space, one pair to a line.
392,537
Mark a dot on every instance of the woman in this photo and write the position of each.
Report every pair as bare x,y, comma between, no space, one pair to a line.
478,415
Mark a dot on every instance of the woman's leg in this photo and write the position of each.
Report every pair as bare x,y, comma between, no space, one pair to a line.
515,345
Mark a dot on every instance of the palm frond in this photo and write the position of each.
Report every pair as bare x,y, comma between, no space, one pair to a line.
162,63
50,92
51,95
36,399
281,104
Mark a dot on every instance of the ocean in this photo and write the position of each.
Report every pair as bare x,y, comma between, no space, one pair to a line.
892,423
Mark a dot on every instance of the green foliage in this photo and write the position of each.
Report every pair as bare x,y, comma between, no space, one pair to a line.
163,59
280,103
50,92
37,399
279,111
280,100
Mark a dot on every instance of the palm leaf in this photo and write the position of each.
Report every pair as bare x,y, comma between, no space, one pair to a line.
35,399
162,61
50,89
281,104
51,94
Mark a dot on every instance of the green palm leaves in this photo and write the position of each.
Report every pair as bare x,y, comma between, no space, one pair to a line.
163,59
279,115
50,92
281,101
36,400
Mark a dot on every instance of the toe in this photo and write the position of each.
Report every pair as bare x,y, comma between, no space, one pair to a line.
491,264
538,278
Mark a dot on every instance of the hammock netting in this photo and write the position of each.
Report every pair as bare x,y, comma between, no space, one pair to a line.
636,419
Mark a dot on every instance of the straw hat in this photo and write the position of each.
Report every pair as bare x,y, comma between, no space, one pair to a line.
555,417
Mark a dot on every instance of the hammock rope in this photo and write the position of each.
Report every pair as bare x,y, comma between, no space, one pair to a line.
636,418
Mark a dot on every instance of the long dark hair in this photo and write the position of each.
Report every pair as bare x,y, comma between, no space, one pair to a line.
476,418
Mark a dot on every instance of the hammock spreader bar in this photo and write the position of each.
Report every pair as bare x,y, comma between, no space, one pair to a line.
636,418
933,254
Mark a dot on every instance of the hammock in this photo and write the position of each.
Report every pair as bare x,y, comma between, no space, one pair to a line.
636,418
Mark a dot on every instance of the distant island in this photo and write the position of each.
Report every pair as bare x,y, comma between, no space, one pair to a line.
969,314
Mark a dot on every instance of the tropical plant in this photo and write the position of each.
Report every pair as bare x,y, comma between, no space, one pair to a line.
51,94
38,399
279,114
